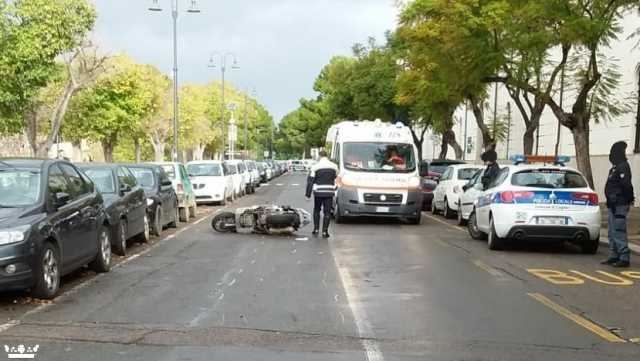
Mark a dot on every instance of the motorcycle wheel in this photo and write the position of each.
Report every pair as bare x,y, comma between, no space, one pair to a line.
221,222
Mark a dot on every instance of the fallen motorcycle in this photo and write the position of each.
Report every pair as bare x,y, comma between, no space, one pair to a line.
263,219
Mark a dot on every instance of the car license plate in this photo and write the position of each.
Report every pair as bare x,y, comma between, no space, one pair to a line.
382,209
552,221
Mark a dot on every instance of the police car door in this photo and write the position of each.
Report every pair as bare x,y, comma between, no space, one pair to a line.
471,194
484,202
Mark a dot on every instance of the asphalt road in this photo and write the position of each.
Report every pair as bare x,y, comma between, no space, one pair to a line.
377,290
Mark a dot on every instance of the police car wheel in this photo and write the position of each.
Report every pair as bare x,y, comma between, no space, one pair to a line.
590,247
472,227
495,243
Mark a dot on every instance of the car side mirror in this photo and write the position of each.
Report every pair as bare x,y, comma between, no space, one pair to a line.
166,183
424,170
61,199
466,187
478,186
125,188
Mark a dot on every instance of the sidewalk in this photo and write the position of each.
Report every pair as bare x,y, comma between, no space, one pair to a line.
633,228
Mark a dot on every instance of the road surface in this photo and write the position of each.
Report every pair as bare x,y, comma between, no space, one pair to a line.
377,290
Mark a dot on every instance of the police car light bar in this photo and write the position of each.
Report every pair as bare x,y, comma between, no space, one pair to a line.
560,160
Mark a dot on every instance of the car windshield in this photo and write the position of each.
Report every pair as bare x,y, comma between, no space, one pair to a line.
466,173
103,179
19,187
144,176
170,170
549,178
379,157
204,170
438,168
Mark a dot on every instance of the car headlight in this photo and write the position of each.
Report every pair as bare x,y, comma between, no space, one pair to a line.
13,235
149,202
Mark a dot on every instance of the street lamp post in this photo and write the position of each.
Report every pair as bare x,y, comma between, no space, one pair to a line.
223,69
193,9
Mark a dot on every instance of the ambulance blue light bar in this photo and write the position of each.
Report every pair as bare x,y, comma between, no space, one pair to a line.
560,160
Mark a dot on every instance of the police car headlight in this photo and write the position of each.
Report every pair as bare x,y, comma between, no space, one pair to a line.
13,235
149,202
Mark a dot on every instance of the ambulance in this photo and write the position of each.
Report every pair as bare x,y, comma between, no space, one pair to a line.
378,170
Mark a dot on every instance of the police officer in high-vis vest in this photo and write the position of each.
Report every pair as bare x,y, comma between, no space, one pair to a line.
322,183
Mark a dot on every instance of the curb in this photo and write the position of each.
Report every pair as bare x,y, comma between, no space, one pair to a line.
633,247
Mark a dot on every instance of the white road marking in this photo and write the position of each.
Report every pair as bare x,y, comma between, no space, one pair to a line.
365,330
233,282
295,184
279,184
457,228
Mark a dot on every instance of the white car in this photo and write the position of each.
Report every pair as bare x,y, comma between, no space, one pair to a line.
538,202
244,172
237,178
449,188
298,166
182,186
210,181
254,175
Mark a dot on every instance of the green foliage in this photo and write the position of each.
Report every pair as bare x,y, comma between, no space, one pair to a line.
34,34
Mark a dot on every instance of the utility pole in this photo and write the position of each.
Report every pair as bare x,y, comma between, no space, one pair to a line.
559,130
246,125
466,117
174,14
508,126
223,108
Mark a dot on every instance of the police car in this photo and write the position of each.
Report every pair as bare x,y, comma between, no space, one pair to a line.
546,201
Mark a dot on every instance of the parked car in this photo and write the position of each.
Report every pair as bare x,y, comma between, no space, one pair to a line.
269,171
124,202
254,175
298,166
245,174
52,222
183,188
236,177
162,201
262,170
449,189
470,193
438,166
537,202
427,185
211,182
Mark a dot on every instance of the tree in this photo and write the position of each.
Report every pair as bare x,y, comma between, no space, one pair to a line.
35,33
115,105
196,127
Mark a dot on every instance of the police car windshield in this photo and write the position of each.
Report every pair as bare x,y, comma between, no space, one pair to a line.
548,178
379,157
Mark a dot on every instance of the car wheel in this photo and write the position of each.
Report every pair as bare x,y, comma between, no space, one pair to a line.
145,236
47,273
495,243
448,212
434,210
102,262
156,228
472,227
589,246
416,220
176,217
223,202
461,221
120,245
338,215
183,214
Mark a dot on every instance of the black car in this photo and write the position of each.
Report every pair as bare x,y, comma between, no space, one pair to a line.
52,222
124,201
162,201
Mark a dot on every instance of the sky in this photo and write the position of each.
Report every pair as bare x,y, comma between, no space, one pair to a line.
280,45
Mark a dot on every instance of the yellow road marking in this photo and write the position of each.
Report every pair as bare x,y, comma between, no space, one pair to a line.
457,228
635,340
598,330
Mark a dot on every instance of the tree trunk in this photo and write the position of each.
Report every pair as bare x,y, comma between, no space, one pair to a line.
138,150
444,149
198,152
449,138
581,141
487,140
107,149
158,149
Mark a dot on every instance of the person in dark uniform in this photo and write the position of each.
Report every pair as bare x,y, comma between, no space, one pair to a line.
619,193
490,159
322,183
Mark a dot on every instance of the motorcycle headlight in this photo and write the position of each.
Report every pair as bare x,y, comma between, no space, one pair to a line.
13,235
149,202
